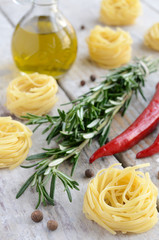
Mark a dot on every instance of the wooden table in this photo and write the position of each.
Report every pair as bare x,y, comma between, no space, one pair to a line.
15,221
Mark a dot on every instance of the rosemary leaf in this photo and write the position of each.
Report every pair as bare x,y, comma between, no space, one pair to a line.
91,115
52,186
25,186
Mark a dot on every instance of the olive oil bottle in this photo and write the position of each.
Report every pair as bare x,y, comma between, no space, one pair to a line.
44,41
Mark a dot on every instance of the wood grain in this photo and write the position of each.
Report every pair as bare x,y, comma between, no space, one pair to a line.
83,68
15,222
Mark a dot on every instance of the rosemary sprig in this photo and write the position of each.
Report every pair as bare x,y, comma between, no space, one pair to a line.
90,116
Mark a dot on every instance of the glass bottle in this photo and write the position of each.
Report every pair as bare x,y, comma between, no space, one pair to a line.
44,41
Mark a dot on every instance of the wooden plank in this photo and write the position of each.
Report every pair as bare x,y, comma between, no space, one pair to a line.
17,10
148,18
83,68
72,223
153,5
15,221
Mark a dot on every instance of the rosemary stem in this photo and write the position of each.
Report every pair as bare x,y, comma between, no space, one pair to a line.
91,115
106,121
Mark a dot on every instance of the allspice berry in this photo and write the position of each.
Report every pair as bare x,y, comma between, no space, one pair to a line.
82,82
82,27
89,173
92,77
52,225
37,216
158,205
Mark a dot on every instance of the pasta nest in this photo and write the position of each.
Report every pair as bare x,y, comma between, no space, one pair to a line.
109,48
152,37
34,93
15,142
119,12
122,200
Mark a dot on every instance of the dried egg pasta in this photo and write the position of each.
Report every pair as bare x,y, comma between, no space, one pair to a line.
152,37
122,200
34,93
119,12
109,48
15,141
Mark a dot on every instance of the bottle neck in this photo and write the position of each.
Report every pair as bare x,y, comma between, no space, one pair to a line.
45,2
45,15
43,7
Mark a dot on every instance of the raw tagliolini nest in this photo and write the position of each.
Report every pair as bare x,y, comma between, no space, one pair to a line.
31,93
152,37
119,12
109,48
122,200
15,142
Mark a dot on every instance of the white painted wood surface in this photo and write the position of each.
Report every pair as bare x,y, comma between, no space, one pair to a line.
15,222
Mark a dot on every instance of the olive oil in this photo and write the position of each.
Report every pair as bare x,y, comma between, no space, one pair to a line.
41,46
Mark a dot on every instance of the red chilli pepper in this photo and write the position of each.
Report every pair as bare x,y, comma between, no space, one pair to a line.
154,148
142,126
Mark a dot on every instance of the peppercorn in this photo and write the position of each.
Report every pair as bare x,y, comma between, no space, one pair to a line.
158,205
52,225
89,173
107,140
92,77
37,216
83,83
82,27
